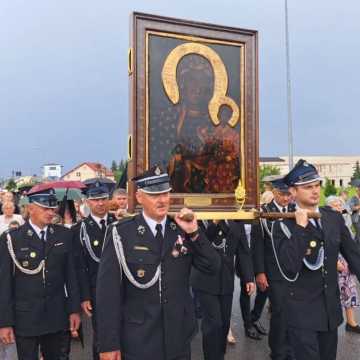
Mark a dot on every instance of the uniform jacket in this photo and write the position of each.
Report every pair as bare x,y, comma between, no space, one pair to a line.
86,267
314,298
263,254
236,253
30,304
143,324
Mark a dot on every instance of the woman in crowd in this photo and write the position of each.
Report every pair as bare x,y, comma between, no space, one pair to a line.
347,283
8,216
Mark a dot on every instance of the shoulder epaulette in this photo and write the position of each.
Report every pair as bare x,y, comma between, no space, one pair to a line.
124,220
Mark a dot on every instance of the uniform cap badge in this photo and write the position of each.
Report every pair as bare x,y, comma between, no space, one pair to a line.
141,229
141,273
157,171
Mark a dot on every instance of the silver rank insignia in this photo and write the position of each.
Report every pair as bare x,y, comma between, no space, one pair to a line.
51,230
30,233
172,226
141,273
141,229
157,171
25,263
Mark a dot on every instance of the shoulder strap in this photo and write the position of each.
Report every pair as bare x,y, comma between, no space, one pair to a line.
41,266
119,249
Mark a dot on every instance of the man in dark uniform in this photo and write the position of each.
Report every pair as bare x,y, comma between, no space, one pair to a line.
215,293
39,295
268,276
252,325
308,252
145,309
89,235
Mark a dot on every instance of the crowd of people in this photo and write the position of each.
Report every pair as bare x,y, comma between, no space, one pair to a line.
144,280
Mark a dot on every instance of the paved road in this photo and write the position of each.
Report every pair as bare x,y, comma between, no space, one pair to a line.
245,349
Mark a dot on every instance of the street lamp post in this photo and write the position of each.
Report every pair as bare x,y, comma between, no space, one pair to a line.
288,82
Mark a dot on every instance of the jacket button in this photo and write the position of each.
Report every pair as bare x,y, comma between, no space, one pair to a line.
165,301
291,294
325,286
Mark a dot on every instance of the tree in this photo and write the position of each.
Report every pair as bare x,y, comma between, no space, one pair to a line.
11,185
120,169
266,170
114,166
356,173
329,188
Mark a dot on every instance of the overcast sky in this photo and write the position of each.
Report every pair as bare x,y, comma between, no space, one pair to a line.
64,83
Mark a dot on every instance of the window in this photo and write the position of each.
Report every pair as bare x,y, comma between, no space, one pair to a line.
78,174
52,167
341,182
333,182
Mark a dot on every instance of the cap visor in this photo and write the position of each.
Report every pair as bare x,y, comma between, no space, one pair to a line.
47,206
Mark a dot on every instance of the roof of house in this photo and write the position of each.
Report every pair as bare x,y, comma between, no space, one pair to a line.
93,166
271,159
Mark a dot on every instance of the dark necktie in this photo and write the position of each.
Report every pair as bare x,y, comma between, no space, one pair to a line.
42,236
317,224
283,210
103,226
159,235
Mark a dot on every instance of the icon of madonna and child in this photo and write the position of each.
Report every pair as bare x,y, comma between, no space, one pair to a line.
200,156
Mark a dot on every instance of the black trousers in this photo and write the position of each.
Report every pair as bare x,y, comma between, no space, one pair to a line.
313,345
278,334
54,346
250,316
216,315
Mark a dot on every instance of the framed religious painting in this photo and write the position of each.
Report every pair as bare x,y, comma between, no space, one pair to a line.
193,111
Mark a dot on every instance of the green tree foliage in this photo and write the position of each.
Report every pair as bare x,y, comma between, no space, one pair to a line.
114,166
329,188
266,170
119,168
11,185
356,173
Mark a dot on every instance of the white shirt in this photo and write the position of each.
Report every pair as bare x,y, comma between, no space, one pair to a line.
38,230
152,224
313,220
247,228
4,222
280,207
98,219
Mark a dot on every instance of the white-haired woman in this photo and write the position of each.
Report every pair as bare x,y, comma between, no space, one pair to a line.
8,216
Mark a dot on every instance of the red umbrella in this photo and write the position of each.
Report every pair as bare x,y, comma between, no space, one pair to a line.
57,185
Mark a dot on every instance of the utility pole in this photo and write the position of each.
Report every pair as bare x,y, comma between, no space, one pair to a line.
288,82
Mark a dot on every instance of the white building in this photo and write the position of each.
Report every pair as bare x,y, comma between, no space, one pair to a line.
51,171
338,169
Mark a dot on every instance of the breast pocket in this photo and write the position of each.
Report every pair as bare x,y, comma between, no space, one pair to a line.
28,258
143,265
